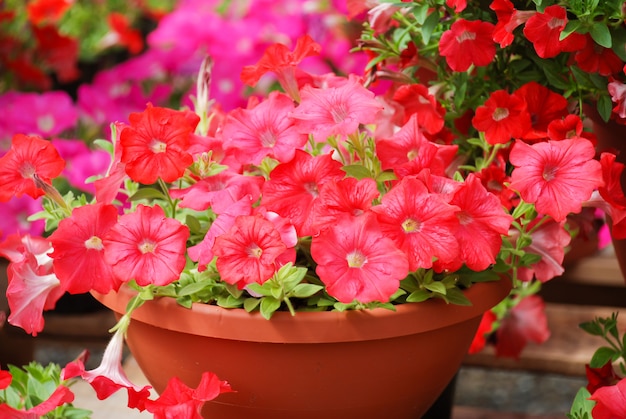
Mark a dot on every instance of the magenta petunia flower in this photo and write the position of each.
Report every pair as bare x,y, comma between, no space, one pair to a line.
146,246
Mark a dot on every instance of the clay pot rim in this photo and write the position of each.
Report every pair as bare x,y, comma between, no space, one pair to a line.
308,327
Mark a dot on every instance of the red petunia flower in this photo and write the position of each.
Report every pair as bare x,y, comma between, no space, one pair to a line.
247,253
60,396
78,256
468,43
420,223
293,188
58,51
124,34
482,222
265,130
594,58
357,262
155,144
180,401
408,151
484,329
526,322
348,196
146,246
544,31
40,11
556,176
600,377
543,106
502,117
416,99
509,18
28,167
610,401
281,61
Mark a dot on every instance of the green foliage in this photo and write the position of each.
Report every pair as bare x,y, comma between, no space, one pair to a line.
32,385
607,329
581,406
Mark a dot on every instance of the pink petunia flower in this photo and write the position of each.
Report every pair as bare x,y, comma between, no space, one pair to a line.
146,246
548,241
109,376
556,175
78,255
335,110
14,217
357,262
33,286
247,253
265,130
81,162
46,114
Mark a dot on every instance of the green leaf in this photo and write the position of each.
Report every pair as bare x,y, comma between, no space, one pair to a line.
436,286
593,328
386,176
419,296
420,11
357,171
251,304
259,289
602,356
429,26
456,296
600,33
147,193
605,107
582,406
269,306
194,288
305,290
193,224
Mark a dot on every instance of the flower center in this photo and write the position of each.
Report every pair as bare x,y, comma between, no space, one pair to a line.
464,218
356,259
466,36
556,23
157,146
339,114
410,225
45,123
94,242
549,173
268,139
412,154
311,187
27,170
255,251
147,247
499,114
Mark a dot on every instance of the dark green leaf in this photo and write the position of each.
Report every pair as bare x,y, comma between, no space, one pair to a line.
605,107
429,26
593,328
602,356
456,296
600,33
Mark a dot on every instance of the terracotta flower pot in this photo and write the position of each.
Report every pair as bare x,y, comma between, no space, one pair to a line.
367,364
